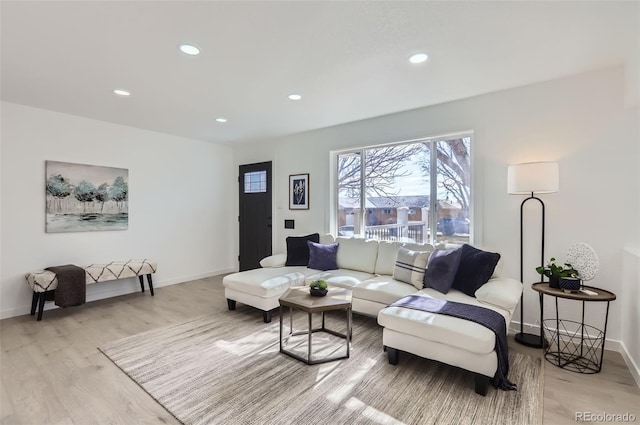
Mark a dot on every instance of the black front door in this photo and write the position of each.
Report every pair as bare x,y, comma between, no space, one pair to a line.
255,214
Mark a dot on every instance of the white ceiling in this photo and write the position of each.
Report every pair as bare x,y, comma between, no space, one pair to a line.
347,59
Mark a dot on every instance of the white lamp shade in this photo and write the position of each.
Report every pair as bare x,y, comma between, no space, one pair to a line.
533,177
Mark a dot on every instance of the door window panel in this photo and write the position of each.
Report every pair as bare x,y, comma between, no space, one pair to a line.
255,182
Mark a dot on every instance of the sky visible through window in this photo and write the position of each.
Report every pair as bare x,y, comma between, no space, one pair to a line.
414,183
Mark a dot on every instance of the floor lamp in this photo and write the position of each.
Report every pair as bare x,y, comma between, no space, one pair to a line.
529,179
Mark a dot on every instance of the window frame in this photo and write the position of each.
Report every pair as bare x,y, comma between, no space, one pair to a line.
433,212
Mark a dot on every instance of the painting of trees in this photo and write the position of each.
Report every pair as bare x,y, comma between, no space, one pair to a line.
85,192
119,191
80,197
59,188
102,195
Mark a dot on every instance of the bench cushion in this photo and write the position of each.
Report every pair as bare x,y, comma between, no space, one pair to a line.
45,280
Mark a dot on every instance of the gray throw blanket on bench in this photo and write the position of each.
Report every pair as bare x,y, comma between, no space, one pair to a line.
72,285
488,318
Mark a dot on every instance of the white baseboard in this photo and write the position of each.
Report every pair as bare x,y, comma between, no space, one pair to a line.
183,279
514,328
631,364
115,288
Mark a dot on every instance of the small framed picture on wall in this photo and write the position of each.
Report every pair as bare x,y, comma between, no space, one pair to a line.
299,192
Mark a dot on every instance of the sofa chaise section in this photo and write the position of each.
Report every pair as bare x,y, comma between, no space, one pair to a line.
449,340
261,288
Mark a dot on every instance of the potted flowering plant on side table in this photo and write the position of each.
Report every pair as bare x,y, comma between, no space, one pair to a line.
554,272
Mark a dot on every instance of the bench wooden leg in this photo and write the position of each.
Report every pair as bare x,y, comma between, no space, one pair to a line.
150,282
34,302
42,297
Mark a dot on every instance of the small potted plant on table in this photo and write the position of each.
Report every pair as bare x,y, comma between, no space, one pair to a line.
555,272
318,288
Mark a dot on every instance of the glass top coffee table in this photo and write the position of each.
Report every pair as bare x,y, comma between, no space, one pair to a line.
298,298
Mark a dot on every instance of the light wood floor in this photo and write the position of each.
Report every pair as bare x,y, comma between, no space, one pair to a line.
52,372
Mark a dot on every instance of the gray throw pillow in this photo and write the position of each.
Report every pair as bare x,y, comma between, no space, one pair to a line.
410,266
442,269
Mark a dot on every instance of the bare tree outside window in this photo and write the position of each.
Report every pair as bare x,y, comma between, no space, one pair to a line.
382,167
386,192
454,171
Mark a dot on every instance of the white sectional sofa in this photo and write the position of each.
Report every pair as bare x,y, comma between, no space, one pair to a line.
367,267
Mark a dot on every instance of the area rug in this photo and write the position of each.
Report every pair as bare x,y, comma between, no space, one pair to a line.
226,368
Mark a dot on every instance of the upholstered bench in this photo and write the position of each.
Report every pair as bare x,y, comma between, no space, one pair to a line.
44,282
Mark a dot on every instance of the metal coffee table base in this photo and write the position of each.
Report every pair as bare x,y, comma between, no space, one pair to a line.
309,332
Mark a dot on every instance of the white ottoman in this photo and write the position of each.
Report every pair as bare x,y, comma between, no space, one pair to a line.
447,339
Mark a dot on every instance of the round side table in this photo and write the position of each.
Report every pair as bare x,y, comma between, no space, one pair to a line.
572,345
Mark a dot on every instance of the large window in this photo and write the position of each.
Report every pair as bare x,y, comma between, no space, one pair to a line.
418,191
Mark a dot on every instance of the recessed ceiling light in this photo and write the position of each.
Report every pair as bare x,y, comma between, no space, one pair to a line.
418,58
189,49
221,119
121,92
295,97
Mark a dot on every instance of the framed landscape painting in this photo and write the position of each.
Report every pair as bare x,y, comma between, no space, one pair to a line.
299,192
82,198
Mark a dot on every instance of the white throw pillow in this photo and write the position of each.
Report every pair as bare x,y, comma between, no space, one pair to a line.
502,292
497,272
387,255
357,254
410,266
276,260
326,239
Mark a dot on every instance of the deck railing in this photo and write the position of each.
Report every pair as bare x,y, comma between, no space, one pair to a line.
416,231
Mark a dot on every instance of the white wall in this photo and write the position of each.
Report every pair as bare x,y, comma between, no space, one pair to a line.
630,300
580,121
179,213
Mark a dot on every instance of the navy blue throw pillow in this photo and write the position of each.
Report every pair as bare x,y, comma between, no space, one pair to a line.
441,269
297,249
476,268
323,257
